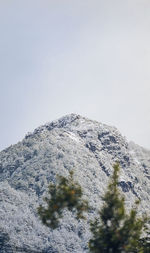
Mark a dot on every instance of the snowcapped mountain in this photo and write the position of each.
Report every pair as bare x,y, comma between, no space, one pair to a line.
87,147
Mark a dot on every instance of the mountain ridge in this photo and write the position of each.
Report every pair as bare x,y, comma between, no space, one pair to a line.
74,143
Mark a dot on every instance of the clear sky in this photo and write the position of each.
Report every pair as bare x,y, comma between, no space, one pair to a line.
90,57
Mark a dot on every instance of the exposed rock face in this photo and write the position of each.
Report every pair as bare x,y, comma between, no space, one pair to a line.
71,143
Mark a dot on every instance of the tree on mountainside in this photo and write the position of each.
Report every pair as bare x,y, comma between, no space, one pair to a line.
66,194
114,231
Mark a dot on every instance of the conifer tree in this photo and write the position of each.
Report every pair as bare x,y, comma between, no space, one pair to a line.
66,194
115,231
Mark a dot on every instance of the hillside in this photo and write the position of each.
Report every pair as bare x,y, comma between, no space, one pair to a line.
74,143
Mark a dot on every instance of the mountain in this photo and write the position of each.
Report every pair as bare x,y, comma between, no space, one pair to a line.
87,147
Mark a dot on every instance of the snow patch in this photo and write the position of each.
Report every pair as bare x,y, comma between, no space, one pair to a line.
73,136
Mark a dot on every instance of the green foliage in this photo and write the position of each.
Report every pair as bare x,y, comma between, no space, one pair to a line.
65,194
115,231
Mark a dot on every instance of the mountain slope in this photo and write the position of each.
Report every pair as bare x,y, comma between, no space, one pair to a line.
70,143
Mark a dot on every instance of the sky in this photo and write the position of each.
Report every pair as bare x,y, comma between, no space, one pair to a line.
89,57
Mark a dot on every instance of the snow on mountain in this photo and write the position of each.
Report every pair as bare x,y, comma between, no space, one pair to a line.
87,147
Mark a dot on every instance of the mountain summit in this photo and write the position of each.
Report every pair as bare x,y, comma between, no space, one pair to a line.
87,147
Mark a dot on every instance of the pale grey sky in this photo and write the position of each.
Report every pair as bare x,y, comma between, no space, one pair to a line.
90,57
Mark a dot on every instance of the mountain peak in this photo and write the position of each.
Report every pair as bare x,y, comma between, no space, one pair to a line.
73,142
61,122
71,122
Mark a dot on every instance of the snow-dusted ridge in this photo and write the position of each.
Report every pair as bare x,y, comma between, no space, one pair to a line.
74,143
